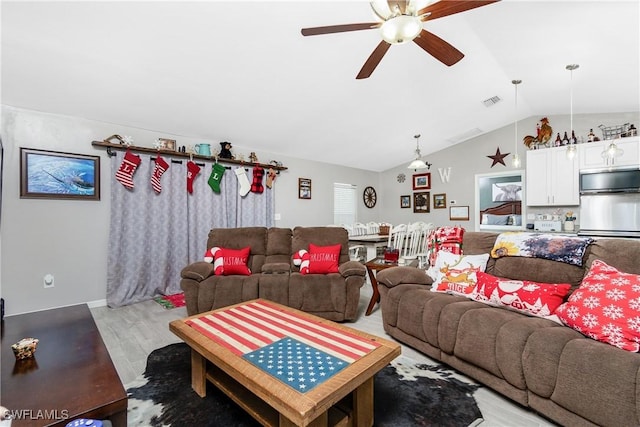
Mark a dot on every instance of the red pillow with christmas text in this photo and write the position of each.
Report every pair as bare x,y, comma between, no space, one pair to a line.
324,259
536,299
227,262
606,307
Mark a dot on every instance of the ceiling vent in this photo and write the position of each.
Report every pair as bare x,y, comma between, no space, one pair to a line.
464,136
490,102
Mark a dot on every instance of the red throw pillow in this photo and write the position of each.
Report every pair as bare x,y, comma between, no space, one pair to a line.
537,299
606,307
323,259
234,261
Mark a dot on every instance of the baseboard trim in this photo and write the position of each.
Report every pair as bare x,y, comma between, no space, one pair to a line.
97,303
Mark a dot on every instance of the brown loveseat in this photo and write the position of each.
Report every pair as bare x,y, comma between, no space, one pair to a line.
333,296
543,365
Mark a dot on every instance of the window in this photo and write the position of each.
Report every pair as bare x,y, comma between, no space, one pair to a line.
344,203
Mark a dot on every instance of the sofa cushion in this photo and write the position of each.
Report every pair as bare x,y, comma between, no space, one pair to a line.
606,307
534,298
567,249
301,260
229,262
323,259
457,274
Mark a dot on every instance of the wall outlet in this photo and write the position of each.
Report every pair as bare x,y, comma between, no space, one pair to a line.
277,217
48,281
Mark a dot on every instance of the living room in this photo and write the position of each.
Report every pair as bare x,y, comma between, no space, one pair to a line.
69,239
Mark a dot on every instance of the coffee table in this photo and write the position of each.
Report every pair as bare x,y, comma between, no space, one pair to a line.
217,340
71,376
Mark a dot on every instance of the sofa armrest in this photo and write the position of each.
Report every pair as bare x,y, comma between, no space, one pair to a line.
197,271
276,268
395,276
352,268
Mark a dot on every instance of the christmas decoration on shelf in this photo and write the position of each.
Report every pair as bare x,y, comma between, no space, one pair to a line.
498,158
158,170
256,185
216,176
225,150
243,181
126,140
192,171
127,168
253,158
543,135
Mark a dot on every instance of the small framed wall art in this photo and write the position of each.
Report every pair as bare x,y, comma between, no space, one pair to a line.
459,213
56,175
304,188
167,144
405,201
421,202
422,181
439,201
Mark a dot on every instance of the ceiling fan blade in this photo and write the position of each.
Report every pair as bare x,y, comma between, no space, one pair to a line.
450,7
438,48
373,60
315,31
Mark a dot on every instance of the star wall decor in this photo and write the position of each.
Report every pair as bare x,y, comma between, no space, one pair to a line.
498,157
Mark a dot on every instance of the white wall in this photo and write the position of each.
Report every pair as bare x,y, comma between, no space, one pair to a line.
69,238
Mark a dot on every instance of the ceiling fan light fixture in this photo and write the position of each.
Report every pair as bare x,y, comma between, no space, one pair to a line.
401,29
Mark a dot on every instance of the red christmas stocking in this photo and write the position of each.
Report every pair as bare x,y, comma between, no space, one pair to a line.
127,168
160,168
271,176
256,185
192,171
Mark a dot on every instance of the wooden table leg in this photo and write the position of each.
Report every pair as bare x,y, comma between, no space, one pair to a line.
363,404
198,373
375,298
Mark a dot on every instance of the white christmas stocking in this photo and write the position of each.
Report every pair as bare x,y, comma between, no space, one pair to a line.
243,181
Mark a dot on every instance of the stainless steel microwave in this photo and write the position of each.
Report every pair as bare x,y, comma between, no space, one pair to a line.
610,181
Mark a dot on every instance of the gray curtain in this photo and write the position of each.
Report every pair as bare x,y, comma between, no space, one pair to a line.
153,236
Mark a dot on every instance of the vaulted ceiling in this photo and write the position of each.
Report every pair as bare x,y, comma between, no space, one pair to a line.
242,72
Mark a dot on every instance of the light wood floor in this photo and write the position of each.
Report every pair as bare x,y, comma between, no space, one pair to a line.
131,333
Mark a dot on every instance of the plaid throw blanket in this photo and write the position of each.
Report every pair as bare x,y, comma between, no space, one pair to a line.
567,249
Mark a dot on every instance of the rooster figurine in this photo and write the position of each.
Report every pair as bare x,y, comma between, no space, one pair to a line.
544,133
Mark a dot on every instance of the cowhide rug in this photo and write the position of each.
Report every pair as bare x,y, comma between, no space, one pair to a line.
406,394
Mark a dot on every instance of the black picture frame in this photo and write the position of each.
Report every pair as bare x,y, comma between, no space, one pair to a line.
48,174
421,202
304,188
405,201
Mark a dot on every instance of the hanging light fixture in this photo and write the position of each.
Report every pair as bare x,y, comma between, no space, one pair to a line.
418,163
516,158
571,149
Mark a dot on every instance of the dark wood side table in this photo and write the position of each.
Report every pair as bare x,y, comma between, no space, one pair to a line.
71,376
374,265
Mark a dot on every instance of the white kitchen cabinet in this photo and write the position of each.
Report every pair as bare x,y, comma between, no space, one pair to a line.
552,178
590,154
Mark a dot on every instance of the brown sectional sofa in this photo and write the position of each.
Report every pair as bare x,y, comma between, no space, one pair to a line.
543,365
333,296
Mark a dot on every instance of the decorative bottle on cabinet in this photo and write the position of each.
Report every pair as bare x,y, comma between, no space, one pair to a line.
565,139
573,138
558,141
591,136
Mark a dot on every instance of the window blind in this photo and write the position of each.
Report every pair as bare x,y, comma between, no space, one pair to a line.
344,203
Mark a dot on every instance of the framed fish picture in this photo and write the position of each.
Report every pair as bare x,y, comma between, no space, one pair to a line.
56,175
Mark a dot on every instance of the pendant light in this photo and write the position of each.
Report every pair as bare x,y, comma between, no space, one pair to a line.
418,163
516,158
571,149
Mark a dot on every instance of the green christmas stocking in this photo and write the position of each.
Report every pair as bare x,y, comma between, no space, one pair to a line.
216,177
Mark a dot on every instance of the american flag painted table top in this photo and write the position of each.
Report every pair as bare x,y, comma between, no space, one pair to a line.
297,351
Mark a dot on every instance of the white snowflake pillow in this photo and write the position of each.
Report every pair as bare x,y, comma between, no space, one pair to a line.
606,307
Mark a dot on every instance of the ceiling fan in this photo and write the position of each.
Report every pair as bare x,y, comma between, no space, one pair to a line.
402,22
